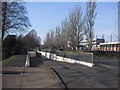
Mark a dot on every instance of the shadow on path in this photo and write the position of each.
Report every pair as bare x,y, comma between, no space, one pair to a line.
35,62
10,72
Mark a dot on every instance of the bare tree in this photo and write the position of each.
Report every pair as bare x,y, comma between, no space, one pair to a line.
69,34
14,17
49,41
57,37
76,27
71,31
31,40
65,35
52,35
90,17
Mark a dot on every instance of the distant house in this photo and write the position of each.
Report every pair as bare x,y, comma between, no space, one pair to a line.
84,44
95,44
110,46
40,46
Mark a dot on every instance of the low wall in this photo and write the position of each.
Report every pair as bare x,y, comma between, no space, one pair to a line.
63,59
27,63
29,54
105,53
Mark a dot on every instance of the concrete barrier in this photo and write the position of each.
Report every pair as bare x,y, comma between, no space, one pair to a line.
63,59
27,63
29,54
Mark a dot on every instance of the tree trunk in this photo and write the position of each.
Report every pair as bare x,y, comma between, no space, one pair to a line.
4,19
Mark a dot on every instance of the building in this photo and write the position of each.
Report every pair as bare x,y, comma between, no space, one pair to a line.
110,46
95,44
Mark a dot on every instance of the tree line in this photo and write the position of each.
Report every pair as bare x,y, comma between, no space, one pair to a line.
15,22
13,45
14,18
75,28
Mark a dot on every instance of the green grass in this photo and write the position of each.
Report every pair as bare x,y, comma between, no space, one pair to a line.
4,62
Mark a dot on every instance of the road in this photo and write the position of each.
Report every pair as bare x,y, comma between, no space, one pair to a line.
107,62
78,76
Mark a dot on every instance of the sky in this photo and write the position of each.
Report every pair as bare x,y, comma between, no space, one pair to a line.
45,16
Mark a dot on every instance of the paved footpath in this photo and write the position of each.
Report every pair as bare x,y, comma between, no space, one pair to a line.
19,61
16,77
40,75
29,77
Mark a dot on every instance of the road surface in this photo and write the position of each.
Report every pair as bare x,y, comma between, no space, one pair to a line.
107,62
42,74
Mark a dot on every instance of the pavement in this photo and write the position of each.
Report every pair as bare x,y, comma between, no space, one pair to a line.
16,77
40,75
29,77
19,61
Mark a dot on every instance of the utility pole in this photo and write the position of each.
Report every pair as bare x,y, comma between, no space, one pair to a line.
96,37
111,37
96,40
102,36
119,21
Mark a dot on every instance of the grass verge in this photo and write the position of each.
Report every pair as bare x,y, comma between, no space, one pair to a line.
4,62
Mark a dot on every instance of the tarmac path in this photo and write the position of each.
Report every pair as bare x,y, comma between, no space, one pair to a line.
19,61
36,76
40,75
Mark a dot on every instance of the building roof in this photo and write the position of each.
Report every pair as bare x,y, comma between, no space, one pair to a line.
94,40
109,43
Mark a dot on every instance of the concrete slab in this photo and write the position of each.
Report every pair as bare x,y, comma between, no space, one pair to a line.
20,77
11,80
44,78
15,69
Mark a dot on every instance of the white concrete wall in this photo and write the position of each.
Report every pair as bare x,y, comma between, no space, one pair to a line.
63,59
27,62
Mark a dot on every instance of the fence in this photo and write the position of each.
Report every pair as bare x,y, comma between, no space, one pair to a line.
81,56
72,57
